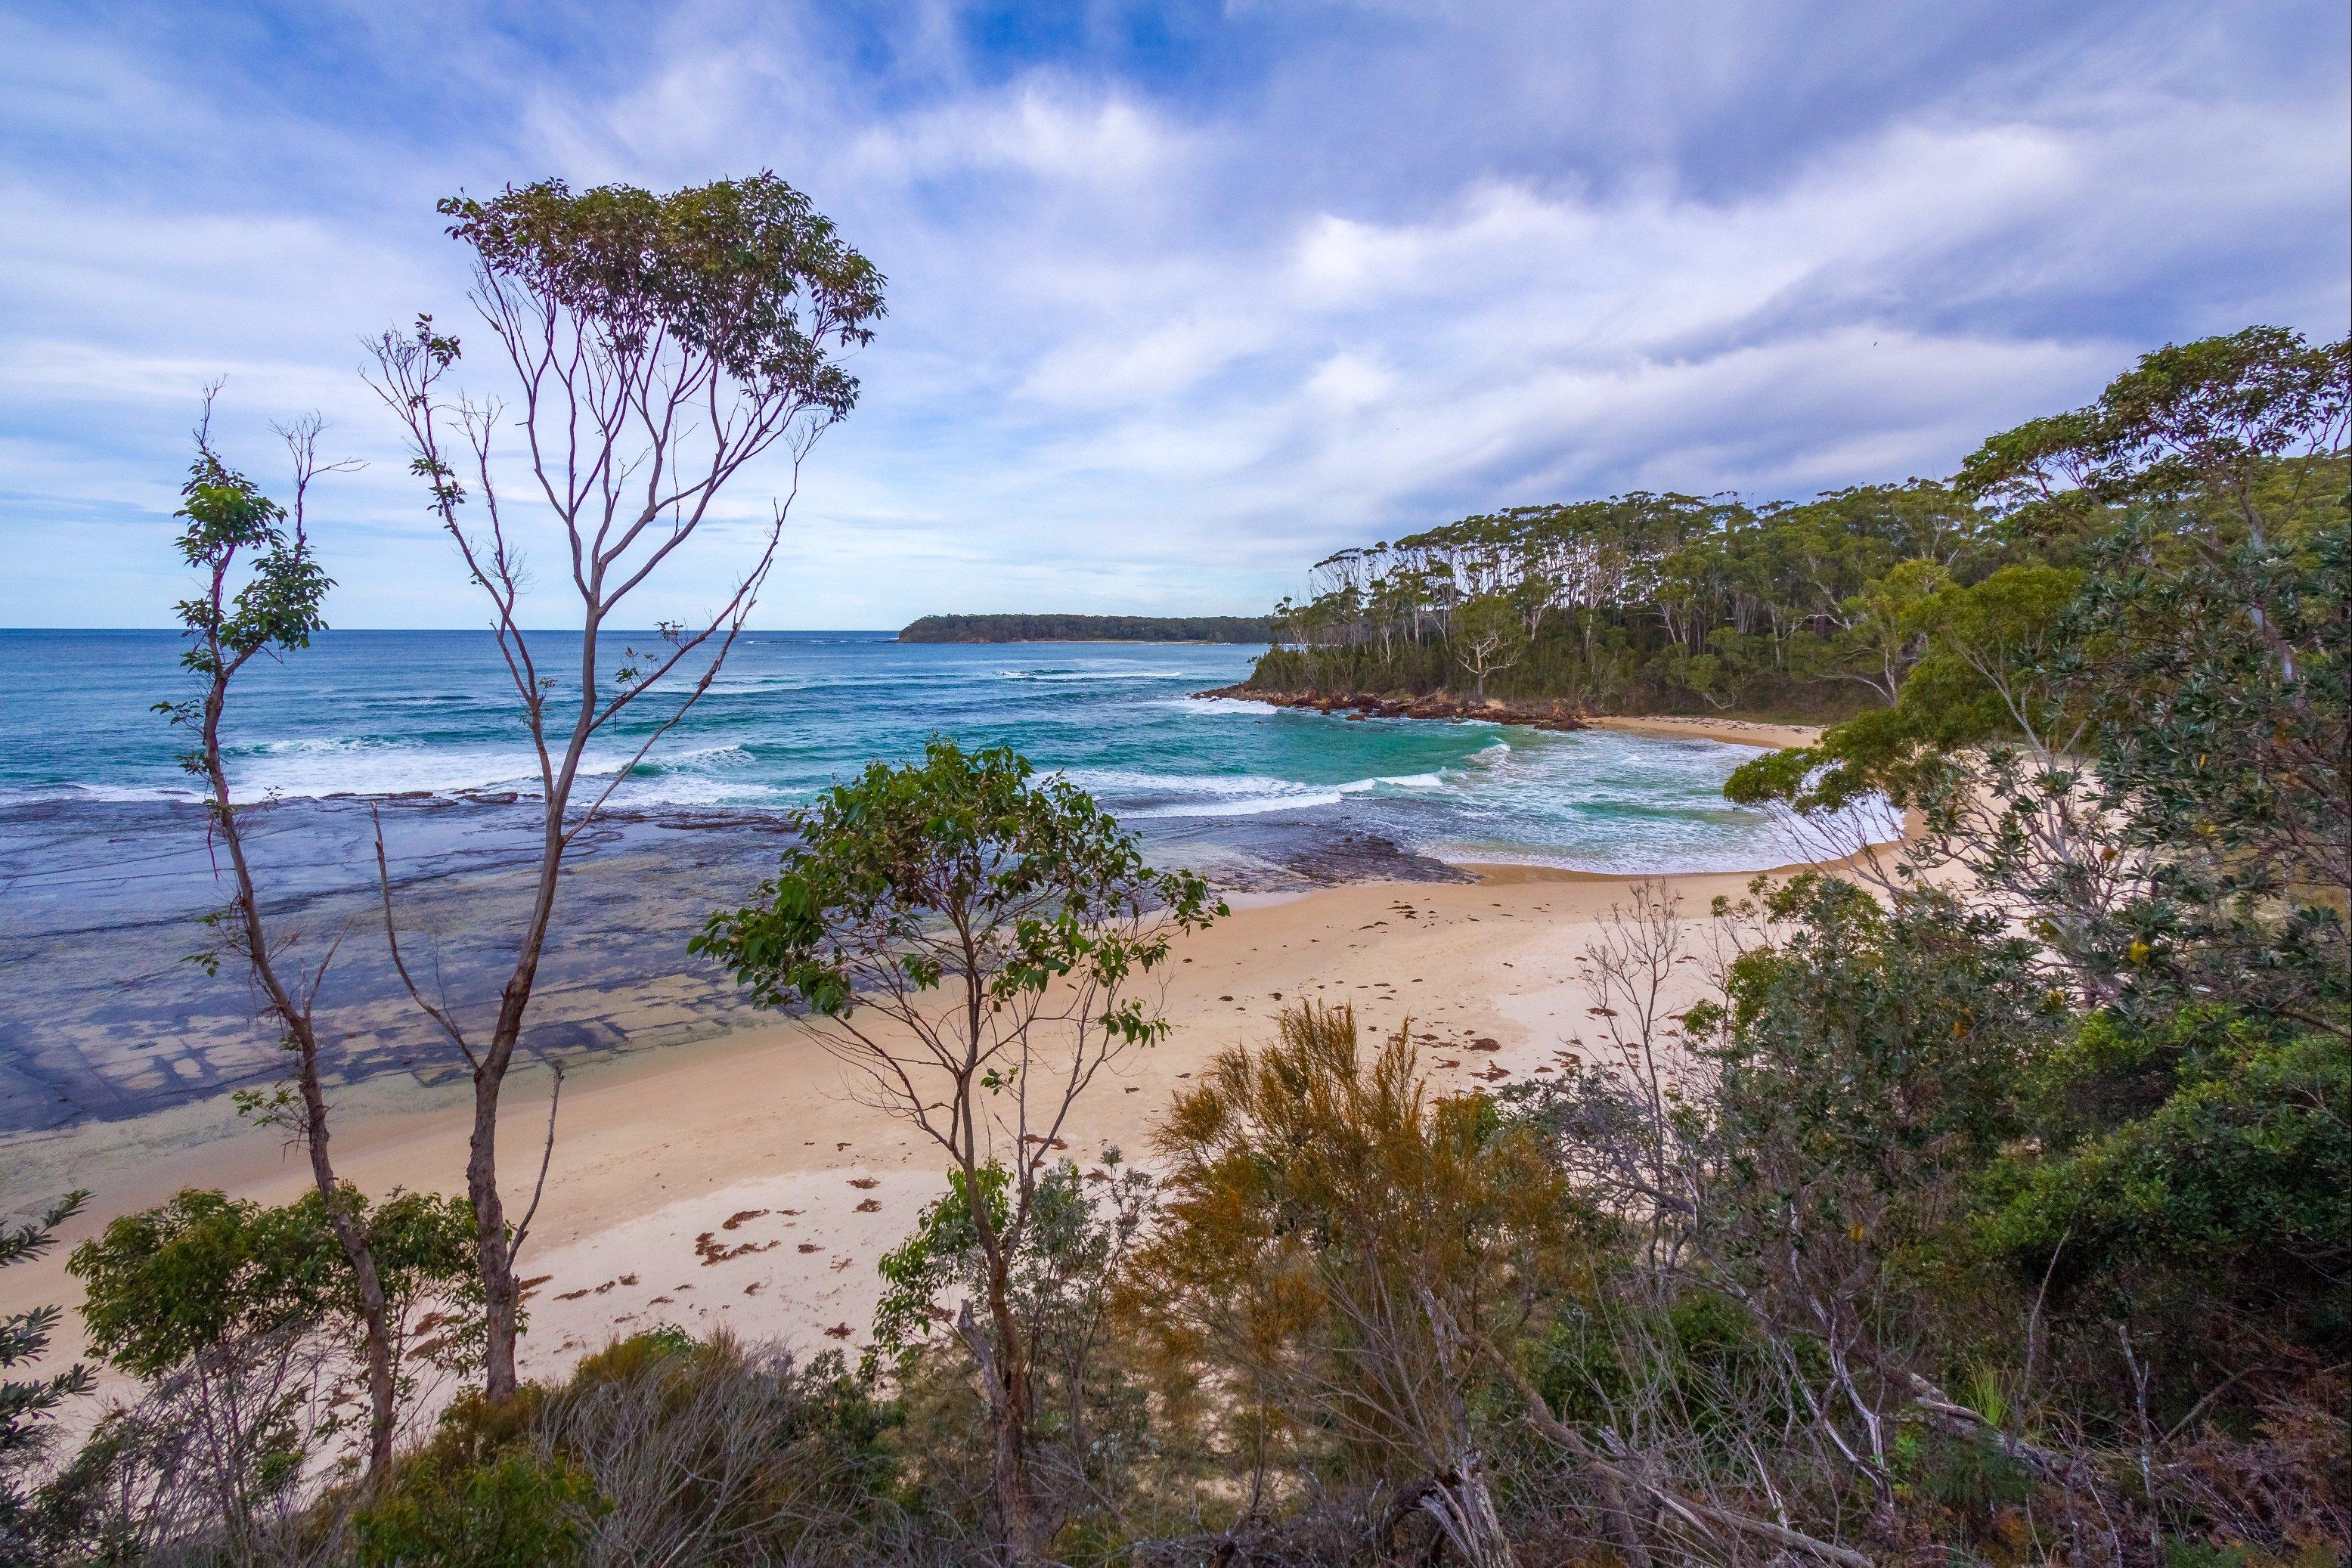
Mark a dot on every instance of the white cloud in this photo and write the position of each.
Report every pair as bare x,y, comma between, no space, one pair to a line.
1160,339
1037,127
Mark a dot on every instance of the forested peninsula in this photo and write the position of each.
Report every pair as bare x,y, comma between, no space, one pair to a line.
1679,604
1090,628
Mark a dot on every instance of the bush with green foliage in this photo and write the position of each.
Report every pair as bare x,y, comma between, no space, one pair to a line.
658,1449
243,1323
27,1403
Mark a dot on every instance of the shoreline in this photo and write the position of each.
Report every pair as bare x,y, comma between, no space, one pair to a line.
660,1146
1758,732
1556,715
657,1148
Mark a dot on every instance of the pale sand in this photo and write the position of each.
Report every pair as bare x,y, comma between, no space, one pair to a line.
657,1148
1737,732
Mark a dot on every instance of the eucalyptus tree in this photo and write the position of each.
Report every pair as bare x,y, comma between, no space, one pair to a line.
972,943
261,593
659,346
1489,637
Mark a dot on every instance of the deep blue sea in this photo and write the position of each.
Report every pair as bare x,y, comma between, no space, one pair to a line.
389,713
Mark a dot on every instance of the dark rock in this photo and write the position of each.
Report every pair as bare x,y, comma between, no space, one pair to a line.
1553,714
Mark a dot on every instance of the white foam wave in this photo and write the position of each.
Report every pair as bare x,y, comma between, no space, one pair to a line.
1305,801
757,685
34,793
1218,705
1145,794
1099,676
1396,780
367,765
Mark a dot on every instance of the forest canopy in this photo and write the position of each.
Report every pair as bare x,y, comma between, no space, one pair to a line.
1821,608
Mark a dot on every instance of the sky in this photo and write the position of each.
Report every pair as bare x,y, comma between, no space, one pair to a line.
1182,298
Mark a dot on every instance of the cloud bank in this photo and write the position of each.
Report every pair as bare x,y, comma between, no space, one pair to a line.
1182,298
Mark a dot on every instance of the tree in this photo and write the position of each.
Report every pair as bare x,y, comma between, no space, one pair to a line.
1089,1421
1881,625
660,345
232,528
1348,1250
1488,635
242,1320
971,940
25,1403
2213,417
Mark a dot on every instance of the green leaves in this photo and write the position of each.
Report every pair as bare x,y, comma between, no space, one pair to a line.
745,272
2213,1144
27,1403
227,515
966,865
945,1248
205,1274
2208,415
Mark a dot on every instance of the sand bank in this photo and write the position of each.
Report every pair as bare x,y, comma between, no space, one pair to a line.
1735,731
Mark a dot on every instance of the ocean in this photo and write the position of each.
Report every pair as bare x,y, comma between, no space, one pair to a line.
105,871
404,713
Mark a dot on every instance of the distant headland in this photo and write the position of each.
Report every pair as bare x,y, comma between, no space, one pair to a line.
1091,628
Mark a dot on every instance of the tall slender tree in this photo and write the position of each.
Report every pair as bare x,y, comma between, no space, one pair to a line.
660,345
262,591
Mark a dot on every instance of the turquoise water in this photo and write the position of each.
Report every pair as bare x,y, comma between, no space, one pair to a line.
431,712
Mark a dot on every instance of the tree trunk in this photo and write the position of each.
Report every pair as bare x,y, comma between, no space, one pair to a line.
295,1018
1011,1457
496,1258
1014,1502
1003,1375
1475,1529
375,1311
501,1300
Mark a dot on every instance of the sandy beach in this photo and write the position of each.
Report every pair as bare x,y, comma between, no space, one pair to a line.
739,1182
1735,732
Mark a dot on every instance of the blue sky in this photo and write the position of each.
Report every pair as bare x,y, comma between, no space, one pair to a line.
1182,296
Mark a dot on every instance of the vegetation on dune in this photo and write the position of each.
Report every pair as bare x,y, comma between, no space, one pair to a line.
27,1403
1089,629
1883,1216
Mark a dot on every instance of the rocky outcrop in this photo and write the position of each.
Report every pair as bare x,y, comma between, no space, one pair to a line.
1542,715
